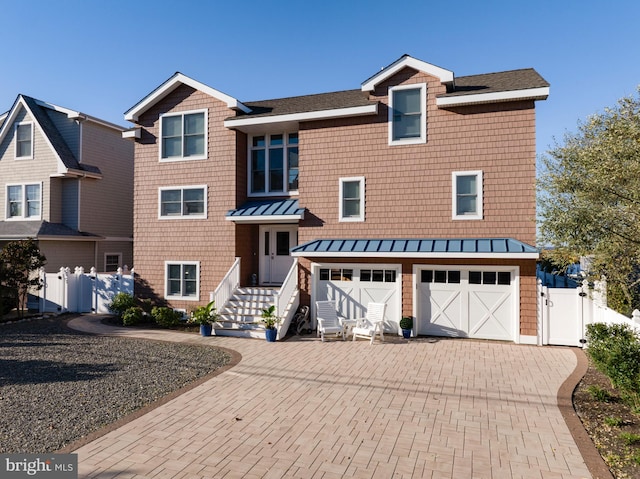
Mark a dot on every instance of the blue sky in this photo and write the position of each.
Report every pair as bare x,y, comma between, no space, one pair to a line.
101,57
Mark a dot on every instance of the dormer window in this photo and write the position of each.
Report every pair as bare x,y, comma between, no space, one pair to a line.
184,136
273,164
24,141
407,114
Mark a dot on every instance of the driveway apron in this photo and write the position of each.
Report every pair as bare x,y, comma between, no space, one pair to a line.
301,408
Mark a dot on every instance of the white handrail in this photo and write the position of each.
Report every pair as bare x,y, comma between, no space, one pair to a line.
227,286
288,288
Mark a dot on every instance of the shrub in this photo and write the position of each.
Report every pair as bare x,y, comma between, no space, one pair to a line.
165,317
121,302
599,394
406,322
132,316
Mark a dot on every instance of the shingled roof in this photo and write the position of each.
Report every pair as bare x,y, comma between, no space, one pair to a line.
15,230
512,80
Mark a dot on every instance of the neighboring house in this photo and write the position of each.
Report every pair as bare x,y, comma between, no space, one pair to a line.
416,189
67,182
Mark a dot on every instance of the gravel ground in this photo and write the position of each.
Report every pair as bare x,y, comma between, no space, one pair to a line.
58,385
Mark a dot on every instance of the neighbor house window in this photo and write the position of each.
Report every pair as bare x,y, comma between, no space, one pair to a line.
273,164
183,202
181,280
467,195
24,201
184,136
407,114
352,199
112,261
24,141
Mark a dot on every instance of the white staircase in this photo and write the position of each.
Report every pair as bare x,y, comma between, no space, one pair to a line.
242,313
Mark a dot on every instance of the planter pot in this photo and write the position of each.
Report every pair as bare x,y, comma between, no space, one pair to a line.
406,333
271,334
205,329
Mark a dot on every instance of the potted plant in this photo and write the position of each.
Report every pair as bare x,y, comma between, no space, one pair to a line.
406,324
269,319
205,316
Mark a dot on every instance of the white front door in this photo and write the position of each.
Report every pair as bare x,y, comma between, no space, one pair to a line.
276,242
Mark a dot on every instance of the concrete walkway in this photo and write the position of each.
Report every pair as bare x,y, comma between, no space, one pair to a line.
423,408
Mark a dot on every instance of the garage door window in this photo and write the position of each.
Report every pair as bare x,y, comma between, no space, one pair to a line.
336,274
490,277
378,275
440,276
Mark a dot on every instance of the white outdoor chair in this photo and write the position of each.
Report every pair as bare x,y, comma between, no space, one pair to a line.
372,323
329,323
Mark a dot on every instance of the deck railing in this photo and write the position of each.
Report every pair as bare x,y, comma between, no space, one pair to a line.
227,286
288,293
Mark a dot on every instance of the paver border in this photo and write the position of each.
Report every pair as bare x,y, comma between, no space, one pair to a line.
592,458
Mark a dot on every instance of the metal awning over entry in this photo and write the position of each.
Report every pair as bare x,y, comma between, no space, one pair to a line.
267,211
467,248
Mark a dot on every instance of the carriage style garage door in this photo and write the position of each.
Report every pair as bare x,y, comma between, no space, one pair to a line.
353,286
475,302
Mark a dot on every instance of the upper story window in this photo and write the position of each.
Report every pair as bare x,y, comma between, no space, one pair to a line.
407,114
467,195
184,136
24,141
273,164
352,199
24,202
183,202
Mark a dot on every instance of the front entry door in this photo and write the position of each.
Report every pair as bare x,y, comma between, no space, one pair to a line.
276,242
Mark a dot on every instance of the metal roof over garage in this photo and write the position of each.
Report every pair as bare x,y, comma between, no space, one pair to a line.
267,211
418,248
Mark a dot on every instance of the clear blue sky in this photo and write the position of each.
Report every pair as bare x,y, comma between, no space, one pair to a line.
102,56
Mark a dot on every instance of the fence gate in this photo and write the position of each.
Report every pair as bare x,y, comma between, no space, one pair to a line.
562,319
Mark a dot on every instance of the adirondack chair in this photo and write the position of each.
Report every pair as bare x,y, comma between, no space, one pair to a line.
372,323
329,323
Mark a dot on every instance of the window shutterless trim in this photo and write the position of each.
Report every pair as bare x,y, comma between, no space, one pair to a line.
422,138
182,216
182,114
196,296
23,123
23,201
454,195
342,182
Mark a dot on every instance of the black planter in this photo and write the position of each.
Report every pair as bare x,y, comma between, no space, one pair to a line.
406,333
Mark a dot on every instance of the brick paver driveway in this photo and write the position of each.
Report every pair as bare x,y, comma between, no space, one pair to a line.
422,408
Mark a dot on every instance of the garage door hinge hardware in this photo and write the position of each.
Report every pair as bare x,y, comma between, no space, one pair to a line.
582,294
542,294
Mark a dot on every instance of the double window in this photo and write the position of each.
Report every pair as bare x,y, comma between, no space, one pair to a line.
182,280
24,141
273,167
407,114
352,199
24,201
184,136
467,195
183,202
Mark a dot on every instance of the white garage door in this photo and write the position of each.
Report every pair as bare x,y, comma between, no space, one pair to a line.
353,286
475,302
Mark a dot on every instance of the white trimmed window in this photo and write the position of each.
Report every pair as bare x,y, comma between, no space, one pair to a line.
467,195
112,261
273,164
407,114
184,136
352,199
183,202
182,280
24,141
24,201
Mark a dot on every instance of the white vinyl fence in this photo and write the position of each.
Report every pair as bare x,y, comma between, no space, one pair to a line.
563,314
81,292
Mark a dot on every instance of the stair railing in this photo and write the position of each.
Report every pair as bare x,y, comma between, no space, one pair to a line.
288,292
227,286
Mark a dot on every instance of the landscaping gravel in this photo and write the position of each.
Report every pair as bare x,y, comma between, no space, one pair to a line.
58,385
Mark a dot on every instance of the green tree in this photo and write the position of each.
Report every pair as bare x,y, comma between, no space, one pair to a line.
21,261
589,199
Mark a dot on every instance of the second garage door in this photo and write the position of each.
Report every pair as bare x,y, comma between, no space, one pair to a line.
470,302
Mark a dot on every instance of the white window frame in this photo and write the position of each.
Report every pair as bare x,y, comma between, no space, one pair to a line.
182,216
195,297
206,136
23,200
342,181
23,123
119,255
454,196
286,145
423,115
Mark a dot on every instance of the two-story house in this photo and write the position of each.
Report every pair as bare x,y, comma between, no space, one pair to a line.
416,189
66,180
